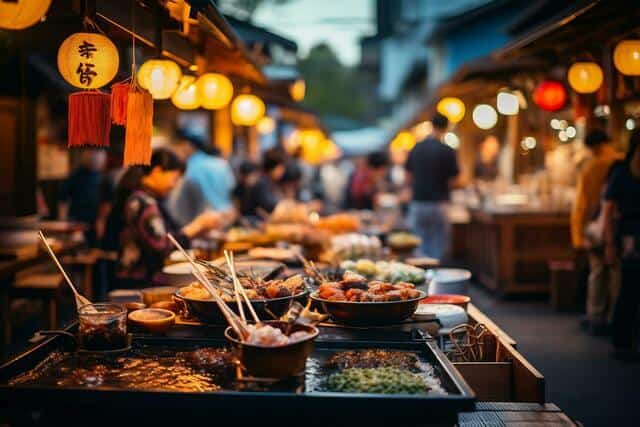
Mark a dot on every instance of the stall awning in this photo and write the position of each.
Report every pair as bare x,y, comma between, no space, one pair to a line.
580,26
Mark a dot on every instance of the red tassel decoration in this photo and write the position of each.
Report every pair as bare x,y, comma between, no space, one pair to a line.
119,96
137,142
89,119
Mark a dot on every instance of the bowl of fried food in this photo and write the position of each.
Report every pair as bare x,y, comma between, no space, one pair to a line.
354,299
402,242
270,299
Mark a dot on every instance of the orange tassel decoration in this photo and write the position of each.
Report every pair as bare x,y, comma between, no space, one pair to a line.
119,96
89,119
137,142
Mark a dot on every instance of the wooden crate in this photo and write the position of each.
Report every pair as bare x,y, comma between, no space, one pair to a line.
504,375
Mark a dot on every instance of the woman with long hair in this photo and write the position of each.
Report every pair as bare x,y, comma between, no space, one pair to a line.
622,241
140,223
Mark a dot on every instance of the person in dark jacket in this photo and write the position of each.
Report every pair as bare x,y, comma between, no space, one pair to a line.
622,242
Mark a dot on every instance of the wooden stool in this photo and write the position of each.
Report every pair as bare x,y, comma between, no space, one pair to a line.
563,286
43,286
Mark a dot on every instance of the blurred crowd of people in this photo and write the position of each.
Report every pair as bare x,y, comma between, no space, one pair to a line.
605,224
189,189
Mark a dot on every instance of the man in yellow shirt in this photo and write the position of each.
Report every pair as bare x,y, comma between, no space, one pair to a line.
604,280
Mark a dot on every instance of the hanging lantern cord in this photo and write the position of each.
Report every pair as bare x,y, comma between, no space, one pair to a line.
88,21
134,80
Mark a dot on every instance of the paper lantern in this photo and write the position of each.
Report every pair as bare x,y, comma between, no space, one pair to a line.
266,125
404,141
160,77
585,77
626,57
484,116
452,108
88,60
507,103
214,91
247,110
186,96
297,90
21,14
550,95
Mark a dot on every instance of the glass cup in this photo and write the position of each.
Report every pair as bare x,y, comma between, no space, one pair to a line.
103,326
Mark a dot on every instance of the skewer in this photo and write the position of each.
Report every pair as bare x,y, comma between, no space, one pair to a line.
79,299
244,293
236,285
231,317
230,261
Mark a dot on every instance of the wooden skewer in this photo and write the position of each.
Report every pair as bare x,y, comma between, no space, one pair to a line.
79,299
230,261
232,318
244,293
236,285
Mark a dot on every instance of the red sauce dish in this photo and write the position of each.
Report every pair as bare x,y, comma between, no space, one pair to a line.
460,300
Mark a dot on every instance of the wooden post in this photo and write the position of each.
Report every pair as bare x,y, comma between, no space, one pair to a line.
253,143
222,131
512,139
17,157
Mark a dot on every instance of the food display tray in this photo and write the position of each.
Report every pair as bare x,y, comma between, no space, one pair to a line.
42,401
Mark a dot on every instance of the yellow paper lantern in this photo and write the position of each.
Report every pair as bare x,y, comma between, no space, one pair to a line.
21,14
626,57
247,110
214,90
88,60
585,77
297,90
266,125
186,96
404,141
160,77
452,108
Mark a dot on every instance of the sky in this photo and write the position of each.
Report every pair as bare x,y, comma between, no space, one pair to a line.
340,23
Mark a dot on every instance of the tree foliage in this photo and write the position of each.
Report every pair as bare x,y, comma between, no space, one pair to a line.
332,88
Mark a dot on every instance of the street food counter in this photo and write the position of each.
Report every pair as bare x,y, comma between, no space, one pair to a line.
504,386
509,249
293,339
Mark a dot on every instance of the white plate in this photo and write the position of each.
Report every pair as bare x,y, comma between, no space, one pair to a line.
181,269
449,315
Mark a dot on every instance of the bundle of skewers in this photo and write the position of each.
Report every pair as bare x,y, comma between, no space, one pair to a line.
228,284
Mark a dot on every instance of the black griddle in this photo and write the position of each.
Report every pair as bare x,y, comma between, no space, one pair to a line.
45,404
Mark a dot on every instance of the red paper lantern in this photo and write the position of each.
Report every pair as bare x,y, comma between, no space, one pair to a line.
550,95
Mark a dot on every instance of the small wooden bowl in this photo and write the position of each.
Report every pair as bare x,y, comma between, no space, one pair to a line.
155,320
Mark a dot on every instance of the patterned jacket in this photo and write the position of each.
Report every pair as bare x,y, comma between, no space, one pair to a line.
144,244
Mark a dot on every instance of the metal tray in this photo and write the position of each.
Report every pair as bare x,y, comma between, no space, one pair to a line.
50,404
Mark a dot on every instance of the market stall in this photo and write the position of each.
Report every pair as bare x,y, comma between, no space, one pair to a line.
527,241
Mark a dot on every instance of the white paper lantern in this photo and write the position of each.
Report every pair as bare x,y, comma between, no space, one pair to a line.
507,103
484,116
